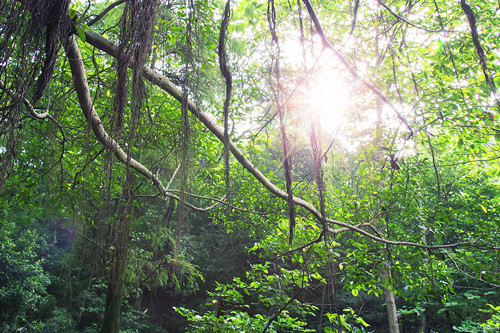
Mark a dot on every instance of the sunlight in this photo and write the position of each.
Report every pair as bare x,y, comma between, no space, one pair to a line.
325,95
328,100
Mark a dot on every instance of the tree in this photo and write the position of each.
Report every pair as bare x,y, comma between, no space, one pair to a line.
387,191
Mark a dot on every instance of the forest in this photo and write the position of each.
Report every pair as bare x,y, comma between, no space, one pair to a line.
250,166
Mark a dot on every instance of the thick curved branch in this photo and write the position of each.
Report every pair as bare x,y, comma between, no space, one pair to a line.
165,84
82,90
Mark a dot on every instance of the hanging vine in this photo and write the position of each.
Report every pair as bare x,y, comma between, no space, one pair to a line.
224,68
134,49
271,18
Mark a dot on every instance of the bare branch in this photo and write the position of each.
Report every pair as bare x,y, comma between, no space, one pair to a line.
193,207
406,21
173,176
221,201
32,111
104,12
36,115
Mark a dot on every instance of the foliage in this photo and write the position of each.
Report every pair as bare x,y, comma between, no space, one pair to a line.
23,280
391,112
343,320
491,325
254,304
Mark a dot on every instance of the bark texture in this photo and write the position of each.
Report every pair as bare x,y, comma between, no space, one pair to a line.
390,301
112,312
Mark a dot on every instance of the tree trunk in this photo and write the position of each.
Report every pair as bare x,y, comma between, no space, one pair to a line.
385,271
111,322
390,300
422,323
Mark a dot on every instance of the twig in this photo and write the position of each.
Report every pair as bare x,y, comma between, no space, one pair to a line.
104,12
470,276
406,21
85,166
273,318
37,115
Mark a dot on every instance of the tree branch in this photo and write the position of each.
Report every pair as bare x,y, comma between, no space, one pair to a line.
82,90
30,108
104,12
400,18
221,201
36,115
28,105
164,83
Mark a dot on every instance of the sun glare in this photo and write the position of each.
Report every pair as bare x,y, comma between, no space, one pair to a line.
328,100
326,94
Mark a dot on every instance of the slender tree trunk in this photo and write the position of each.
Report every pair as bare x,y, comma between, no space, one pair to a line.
390,300
385,271
423,323
111,322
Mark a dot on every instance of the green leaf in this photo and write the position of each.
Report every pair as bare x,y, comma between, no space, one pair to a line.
255,284
81,33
